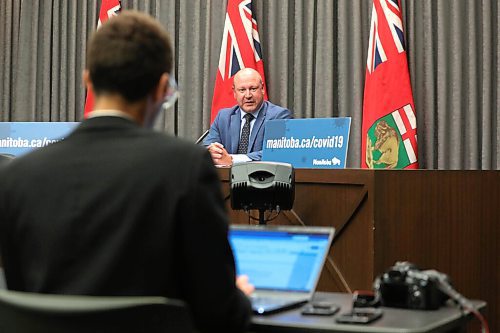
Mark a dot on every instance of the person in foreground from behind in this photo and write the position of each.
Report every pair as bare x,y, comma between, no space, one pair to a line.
116,208
4,159
237,133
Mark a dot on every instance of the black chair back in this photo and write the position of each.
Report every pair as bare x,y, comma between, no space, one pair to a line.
29,313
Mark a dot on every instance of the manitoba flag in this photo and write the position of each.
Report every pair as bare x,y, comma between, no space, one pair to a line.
108,8
240,49
389,129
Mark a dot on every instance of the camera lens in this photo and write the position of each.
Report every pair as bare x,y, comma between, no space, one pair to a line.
397,275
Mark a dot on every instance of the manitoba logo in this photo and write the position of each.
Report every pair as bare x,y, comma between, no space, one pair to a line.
392,140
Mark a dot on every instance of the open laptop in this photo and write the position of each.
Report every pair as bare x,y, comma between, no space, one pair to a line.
284,263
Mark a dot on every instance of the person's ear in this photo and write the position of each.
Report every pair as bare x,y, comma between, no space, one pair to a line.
161,88
86,79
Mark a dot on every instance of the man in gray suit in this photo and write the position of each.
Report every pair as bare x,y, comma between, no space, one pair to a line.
109,210
237,133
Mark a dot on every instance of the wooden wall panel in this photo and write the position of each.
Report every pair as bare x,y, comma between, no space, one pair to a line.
339,201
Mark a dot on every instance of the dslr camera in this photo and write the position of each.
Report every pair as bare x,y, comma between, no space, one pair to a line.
405,286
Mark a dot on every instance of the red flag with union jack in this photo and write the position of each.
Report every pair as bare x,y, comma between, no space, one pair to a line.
240,49
389,129
108,8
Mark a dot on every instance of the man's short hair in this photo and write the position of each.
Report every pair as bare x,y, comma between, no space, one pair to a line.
128,54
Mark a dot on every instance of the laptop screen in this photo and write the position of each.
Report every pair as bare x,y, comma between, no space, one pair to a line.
288,259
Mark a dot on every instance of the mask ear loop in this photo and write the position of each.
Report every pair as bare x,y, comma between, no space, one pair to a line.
172,93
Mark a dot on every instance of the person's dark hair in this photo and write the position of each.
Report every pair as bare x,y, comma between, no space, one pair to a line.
128,54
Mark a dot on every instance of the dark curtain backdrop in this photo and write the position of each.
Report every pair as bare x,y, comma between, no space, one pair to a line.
314,57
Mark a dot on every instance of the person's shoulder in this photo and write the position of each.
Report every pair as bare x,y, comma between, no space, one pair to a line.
20,168
227,112
34,159
274,110
180,154
271,107
5,159
178,145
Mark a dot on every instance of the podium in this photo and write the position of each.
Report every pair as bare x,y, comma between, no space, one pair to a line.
448,220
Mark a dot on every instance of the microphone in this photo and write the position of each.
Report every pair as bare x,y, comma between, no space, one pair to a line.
202,137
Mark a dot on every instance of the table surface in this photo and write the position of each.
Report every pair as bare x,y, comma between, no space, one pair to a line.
393,320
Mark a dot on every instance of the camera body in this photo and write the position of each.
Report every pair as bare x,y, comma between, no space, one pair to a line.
405,286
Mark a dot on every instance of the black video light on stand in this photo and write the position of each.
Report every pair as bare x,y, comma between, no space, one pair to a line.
262,186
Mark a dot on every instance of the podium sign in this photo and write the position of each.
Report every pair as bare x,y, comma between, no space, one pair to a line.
307,143
17,138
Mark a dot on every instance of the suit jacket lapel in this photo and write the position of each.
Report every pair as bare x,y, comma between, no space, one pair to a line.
256,127
234,131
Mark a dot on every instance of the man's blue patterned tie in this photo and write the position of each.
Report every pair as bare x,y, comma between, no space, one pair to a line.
245,134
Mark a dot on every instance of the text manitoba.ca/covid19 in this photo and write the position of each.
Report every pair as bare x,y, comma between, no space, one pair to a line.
25,143
336,141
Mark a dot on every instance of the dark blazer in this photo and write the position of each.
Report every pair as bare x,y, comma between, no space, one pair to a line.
4,159
227,126
116,209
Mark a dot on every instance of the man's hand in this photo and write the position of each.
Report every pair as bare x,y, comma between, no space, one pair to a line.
242,283
219,154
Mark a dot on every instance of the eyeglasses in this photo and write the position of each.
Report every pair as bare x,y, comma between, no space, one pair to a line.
172,93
